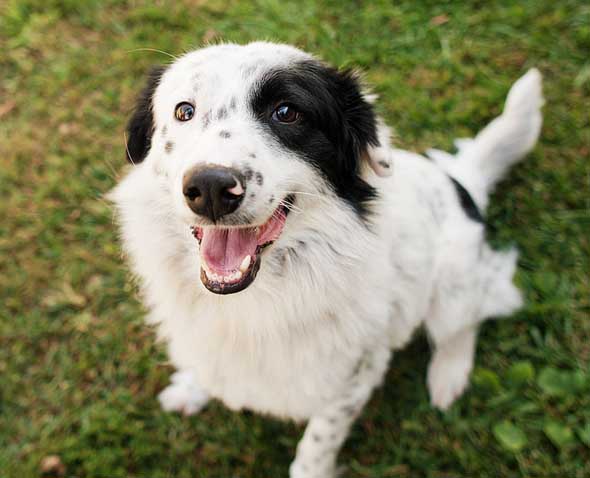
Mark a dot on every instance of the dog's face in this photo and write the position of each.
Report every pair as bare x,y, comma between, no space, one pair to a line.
242,136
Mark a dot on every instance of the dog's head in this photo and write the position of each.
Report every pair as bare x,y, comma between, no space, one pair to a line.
246,135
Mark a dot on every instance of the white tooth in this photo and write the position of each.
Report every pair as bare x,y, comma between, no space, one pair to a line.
208,272
245,263
238,274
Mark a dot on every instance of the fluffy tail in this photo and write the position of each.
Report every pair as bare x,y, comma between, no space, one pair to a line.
484,160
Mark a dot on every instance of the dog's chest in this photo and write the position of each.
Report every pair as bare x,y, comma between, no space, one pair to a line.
261,358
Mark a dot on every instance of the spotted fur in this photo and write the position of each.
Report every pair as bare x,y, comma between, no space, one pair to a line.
378,241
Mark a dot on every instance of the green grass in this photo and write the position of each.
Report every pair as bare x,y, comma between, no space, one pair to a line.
79,372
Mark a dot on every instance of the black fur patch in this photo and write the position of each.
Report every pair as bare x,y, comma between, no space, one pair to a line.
335,129
467,202
140,127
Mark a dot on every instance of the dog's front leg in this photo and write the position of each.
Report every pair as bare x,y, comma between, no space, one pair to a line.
326,432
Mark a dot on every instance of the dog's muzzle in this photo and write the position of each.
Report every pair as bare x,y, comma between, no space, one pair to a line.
212,191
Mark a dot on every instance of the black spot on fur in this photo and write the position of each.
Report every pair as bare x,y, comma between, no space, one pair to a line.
384,164
293,255
316,438
248,173
252,155
252,195
336,126
281,260
259,179
224,134
222,113
164,131
140,127
467,202
169,146
271,200
206,119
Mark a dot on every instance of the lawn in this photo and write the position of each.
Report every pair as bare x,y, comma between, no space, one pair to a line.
79,371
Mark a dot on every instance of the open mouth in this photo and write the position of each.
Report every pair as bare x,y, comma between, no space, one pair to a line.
230,256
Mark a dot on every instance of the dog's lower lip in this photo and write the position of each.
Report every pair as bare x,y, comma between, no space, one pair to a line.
220,279
221,287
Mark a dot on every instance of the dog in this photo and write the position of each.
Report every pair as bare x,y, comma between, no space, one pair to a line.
285,248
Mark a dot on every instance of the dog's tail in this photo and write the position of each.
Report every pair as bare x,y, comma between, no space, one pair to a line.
484,160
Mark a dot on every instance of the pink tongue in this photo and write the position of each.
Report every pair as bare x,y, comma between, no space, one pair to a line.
225,249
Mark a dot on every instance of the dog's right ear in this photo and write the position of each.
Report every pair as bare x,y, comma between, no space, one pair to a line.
140,127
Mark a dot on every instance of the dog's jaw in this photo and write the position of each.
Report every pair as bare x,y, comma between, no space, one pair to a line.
231,256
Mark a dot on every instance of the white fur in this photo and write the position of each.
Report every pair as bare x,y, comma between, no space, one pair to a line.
311,337
184,394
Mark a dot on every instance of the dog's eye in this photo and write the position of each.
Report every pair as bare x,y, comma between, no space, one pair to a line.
285,113
184,111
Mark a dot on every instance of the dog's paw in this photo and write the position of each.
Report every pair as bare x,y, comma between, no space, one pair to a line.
448,376
300,469
183,395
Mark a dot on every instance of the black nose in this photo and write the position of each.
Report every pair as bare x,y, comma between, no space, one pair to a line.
212,191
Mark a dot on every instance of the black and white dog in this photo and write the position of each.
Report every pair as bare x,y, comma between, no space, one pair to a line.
285,248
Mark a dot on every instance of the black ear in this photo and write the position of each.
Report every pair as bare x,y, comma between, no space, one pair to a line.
356,130
360,122
140,127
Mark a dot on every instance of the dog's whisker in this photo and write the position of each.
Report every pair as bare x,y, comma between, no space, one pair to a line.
299,192
127,149
290,207
154,50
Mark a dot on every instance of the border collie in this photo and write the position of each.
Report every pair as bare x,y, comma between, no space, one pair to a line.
285,248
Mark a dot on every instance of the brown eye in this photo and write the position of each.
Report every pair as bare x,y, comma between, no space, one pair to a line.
285,113
184,111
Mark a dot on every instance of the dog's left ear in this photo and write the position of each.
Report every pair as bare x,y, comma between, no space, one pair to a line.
140,127
370,136
379,156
